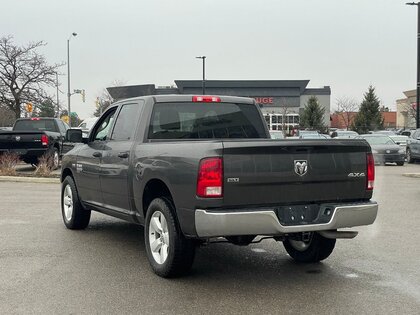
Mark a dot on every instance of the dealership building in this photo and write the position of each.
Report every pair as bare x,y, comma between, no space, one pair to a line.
281,101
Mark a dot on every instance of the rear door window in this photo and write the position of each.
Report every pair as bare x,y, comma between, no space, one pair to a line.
190,120
126,123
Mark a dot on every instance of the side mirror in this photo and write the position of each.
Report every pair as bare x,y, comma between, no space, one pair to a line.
74,135
398,143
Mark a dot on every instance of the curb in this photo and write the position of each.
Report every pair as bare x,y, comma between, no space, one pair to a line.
23,179
413,175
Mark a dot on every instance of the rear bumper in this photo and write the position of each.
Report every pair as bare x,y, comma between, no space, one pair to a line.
383,158
266,222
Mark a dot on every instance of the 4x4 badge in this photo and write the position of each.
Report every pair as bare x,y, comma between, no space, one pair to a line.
301,167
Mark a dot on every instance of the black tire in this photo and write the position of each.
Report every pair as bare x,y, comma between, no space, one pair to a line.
317,249
79,217
409,157
400,163
180,251
55,156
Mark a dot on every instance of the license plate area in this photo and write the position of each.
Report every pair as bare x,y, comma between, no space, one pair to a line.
304,214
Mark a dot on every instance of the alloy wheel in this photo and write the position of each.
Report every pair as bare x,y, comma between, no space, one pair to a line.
159,237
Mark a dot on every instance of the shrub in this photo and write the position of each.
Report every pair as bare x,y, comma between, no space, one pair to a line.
45,165
8,162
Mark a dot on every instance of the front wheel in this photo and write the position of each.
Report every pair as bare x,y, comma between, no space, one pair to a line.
169,253
315,249
400,163
75,217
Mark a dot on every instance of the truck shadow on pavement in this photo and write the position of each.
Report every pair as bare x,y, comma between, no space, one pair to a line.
263,262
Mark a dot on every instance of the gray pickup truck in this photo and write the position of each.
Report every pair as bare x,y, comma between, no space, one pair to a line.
199,169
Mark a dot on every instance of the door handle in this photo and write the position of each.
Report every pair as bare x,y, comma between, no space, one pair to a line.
123,155
97,154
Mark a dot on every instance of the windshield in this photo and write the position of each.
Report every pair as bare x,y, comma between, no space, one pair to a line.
379,140
190,120
35,125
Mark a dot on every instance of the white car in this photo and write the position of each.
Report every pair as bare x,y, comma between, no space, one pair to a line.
87,124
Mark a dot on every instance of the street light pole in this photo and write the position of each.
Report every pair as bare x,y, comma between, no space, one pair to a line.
204,73
418,64
68,78
58,98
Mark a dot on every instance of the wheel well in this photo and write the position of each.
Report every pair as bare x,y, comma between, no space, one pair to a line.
66,172
155,188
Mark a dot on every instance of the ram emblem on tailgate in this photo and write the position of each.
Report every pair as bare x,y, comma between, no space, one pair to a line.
301,167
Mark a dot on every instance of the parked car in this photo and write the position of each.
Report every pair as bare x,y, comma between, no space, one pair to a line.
87,124
344,134
384,132
306,132
276,134
195,168
6,128
384,149
313,136
401,141
413,147
31,138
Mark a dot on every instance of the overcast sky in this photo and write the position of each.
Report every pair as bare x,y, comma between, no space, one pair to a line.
345,44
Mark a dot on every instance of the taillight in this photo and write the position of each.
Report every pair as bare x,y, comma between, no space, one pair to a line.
210,178
44,140
205,98
35,118
370,171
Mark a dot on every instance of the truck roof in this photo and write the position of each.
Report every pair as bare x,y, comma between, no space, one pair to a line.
188,98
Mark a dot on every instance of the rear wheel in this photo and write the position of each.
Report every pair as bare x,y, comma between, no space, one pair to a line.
55,159
400,163
169,253
75,217
315,249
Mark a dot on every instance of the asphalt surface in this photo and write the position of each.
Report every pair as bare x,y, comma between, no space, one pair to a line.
45,268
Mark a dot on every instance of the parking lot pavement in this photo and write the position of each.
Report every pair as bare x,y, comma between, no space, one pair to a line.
46,268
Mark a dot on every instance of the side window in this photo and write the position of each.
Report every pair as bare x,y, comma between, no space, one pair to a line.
126,122
61,126
102,129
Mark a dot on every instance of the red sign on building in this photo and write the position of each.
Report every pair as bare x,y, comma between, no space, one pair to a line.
264,100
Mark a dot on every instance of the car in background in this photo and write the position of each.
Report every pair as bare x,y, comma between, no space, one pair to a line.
383,132
384,149
413,147
344,134
407,132
6,128
314,136
306,132
400,140
87,125
276,134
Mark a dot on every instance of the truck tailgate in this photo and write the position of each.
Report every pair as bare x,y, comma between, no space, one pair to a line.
273,172
20,140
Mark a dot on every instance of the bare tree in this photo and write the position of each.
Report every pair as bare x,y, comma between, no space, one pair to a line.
24,73
346,107
7,117
104,99
410,111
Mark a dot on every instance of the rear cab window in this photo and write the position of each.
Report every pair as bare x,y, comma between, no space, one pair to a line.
192,120
35,125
